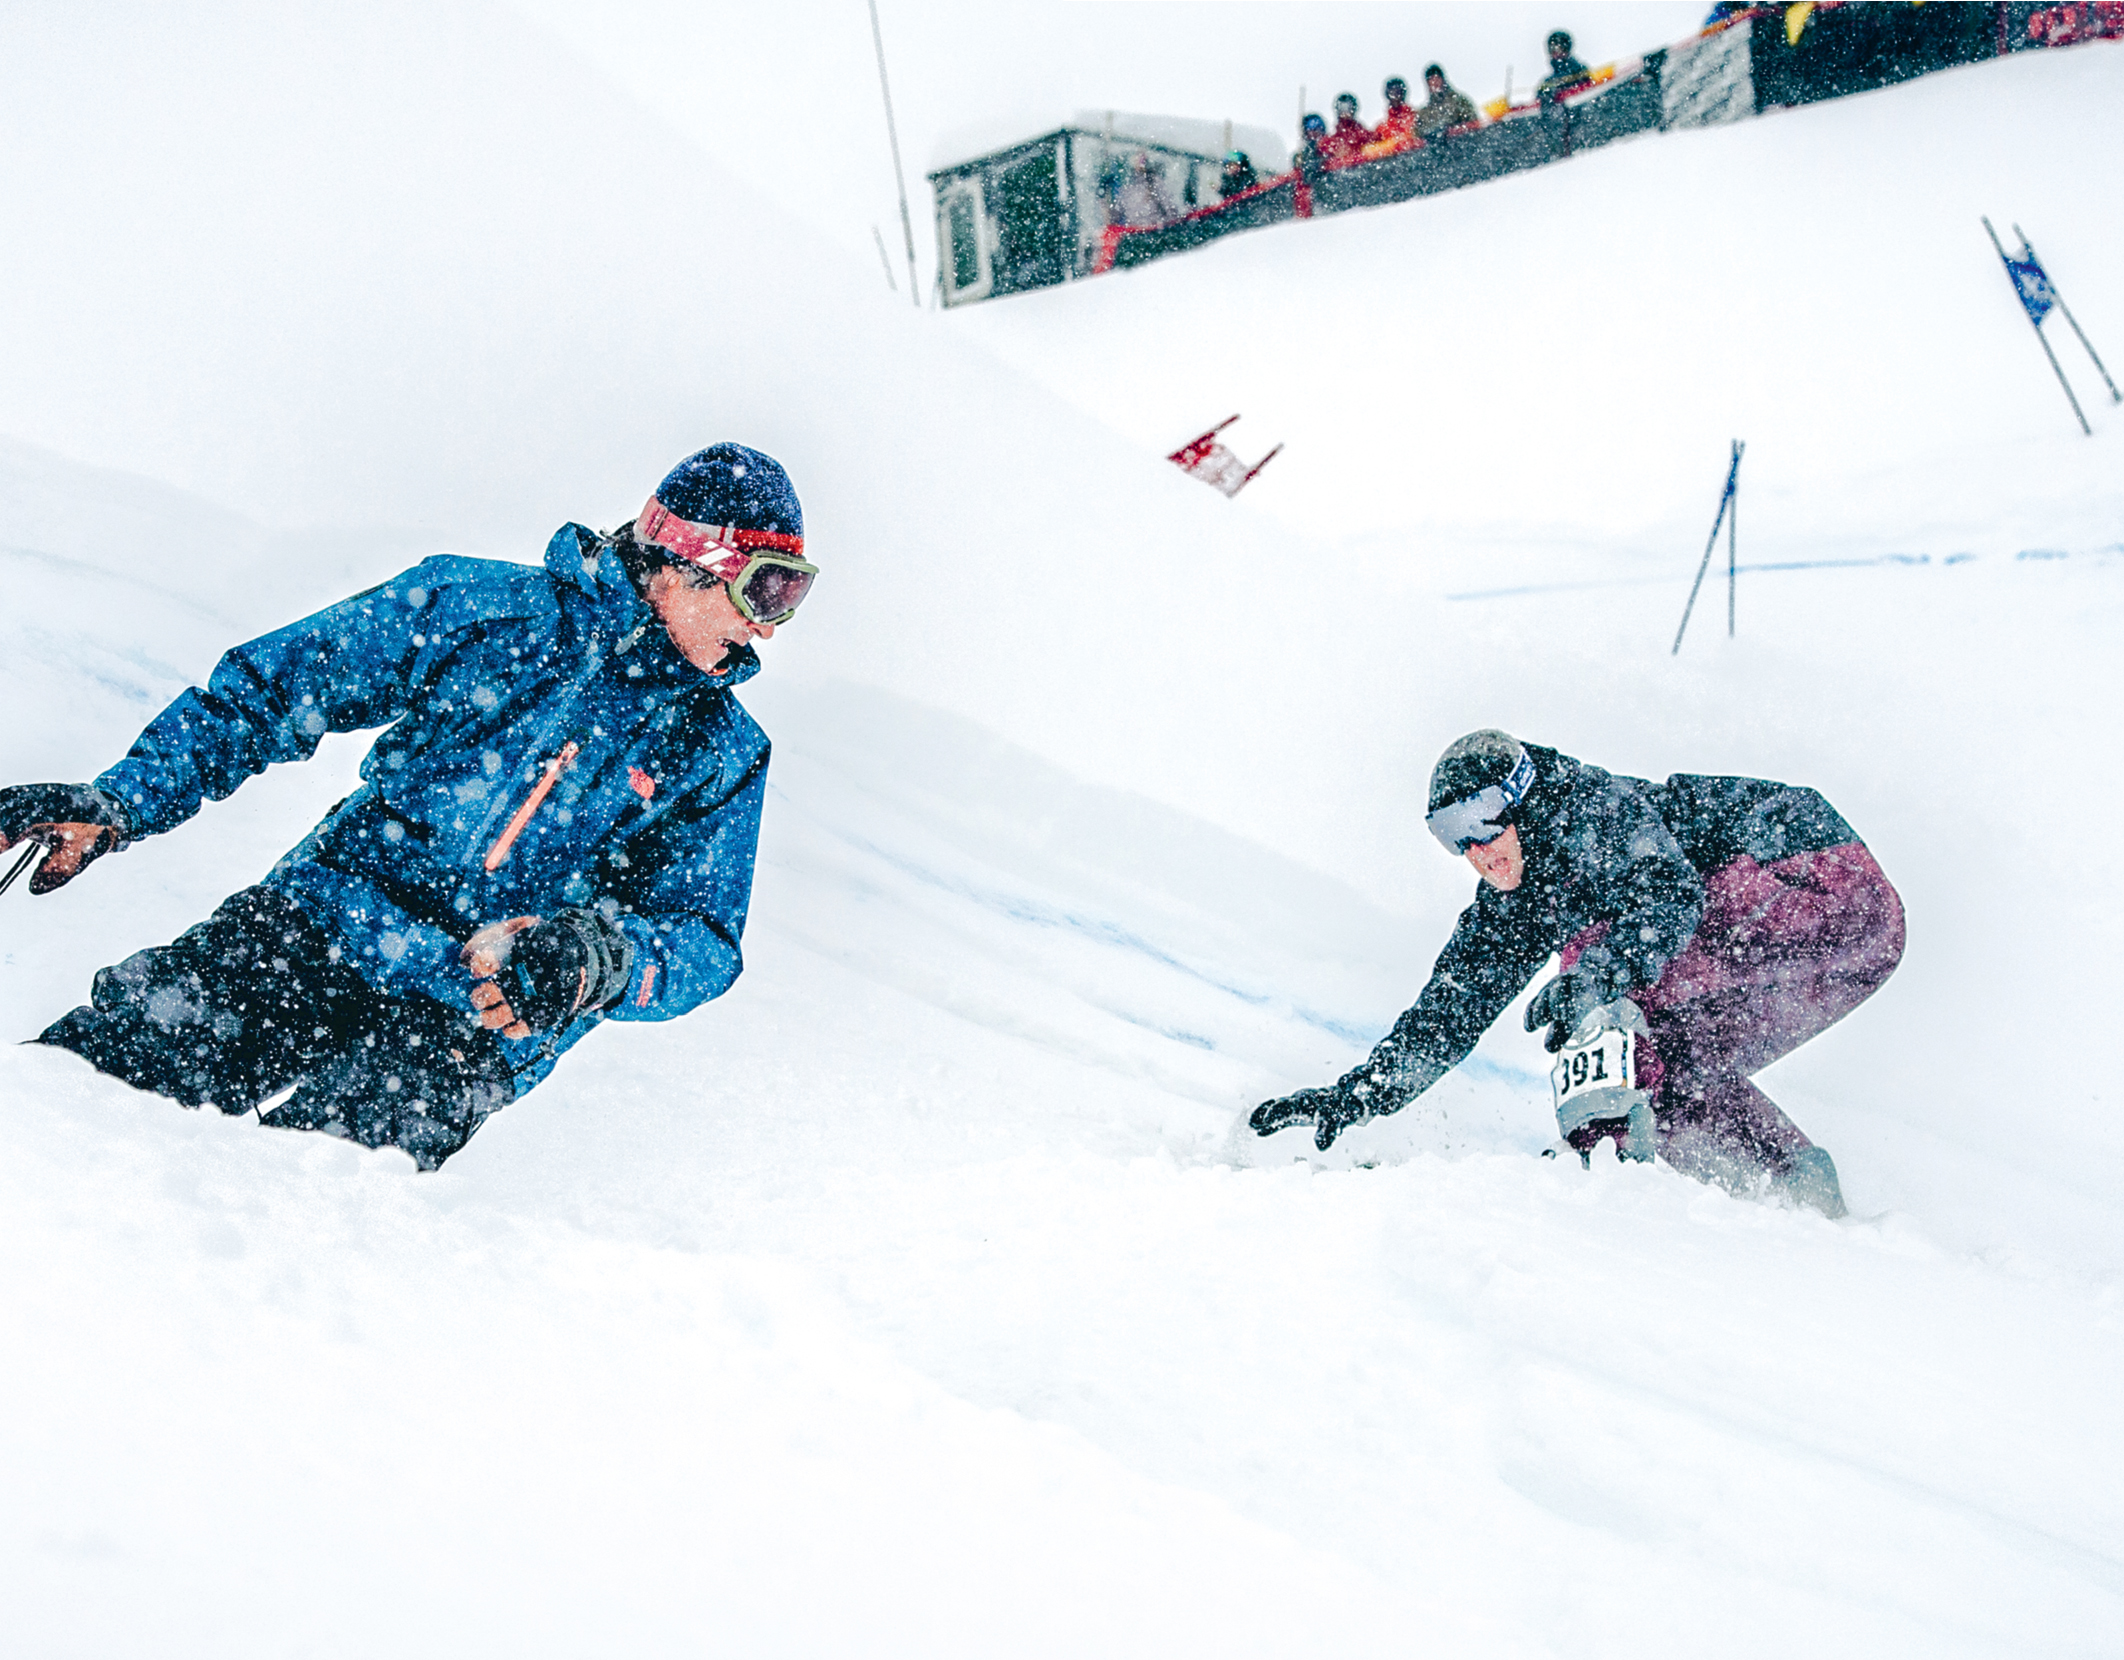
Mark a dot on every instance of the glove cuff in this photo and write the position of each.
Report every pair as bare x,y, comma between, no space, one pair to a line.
1379,1087
116,817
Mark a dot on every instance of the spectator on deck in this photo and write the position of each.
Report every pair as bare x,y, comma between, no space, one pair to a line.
1397,131
1445,106
1341,146
1239,175
1142,198
1311,159
1566,73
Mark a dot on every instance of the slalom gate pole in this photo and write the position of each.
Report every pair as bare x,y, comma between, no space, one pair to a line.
1257,466
2040,339
1733,545
1725,500
2114,395
892,282
892,131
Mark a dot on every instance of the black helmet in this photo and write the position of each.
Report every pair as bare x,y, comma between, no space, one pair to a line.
1476,787
1559,40
1346,98
1397,87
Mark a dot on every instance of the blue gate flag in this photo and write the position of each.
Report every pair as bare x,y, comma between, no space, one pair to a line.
2030,282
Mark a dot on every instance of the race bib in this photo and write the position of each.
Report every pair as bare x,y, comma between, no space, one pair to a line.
1606,1060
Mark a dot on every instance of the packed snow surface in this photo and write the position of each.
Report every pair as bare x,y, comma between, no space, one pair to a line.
924,1295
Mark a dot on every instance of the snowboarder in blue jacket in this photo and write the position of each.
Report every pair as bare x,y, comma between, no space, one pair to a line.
556,826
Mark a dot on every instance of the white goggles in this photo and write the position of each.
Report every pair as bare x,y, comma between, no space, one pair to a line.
1483,816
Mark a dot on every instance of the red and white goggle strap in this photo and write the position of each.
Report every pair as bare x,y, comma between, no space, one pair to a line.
723,549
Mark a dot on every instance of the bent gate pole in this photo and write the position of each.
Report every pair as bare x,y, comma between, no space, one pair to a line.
1725,500
2114,395
2041,339
1257,466
1733,547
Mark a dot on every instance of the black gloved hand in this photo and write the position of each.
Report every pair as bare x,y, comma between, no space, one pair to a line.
78,822
572,961
1561,1005
1329,1111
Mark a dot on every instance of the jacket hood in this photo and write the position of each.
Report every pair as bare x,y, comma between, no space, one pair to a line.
585,568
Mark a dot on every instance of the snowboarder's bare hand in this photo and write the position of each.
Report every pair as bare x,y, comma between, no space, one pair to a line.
484,954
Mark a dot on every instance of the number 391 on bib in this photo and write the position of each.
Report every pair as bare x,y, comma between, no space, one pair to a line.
1606,1060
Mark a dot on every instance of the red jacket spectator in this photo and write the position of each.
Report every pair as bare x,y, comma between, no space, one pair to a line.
1351,135
1397,132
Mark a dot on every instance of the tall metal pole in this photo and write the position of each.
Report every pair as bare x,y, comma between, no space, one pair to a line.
892,131
2041,339
1725,500
1733,545
2114,395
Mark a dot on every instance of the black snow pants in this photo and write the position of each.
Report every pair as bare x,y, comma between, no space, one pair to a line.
254,1000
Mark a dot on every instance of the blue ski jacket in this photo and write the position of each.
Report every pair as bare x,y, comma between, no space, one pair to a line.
502,688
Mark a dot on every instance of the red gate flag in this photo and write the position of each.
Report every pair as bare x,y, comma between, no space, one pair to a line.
1215,464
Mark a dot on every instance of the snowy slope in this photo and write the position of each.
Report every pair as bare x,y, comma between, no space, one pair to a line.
1816,281
917,1297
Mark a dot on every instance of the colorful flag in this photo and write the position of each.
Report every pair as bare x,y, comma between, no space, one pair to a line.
2030,282
1215,464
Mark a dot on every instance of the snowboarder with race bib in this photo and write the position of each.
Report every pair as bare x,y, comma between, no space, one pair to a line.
556,827
1704,927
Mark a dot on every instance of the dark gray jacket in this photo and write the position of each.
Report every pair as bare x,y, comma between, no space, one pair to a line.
1598,848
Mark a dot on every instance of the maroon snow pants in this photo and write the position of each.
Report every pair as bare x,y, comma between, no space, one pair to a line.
1785,950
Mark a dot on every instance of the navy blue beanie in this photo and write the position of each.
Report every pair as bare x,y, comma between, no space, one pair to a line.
730,488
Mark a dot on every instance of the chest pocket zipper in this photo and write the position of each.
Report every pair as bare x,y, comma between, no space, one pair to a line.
499,852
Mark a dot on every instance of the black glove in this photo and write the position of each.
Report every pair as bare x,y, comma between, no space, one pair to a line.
1329,1111
35,811
1561,1005
572,961
1392,1076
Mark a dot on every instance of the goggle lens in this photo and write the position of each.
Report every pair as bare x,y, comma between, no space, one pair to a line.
1469,823
770,593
